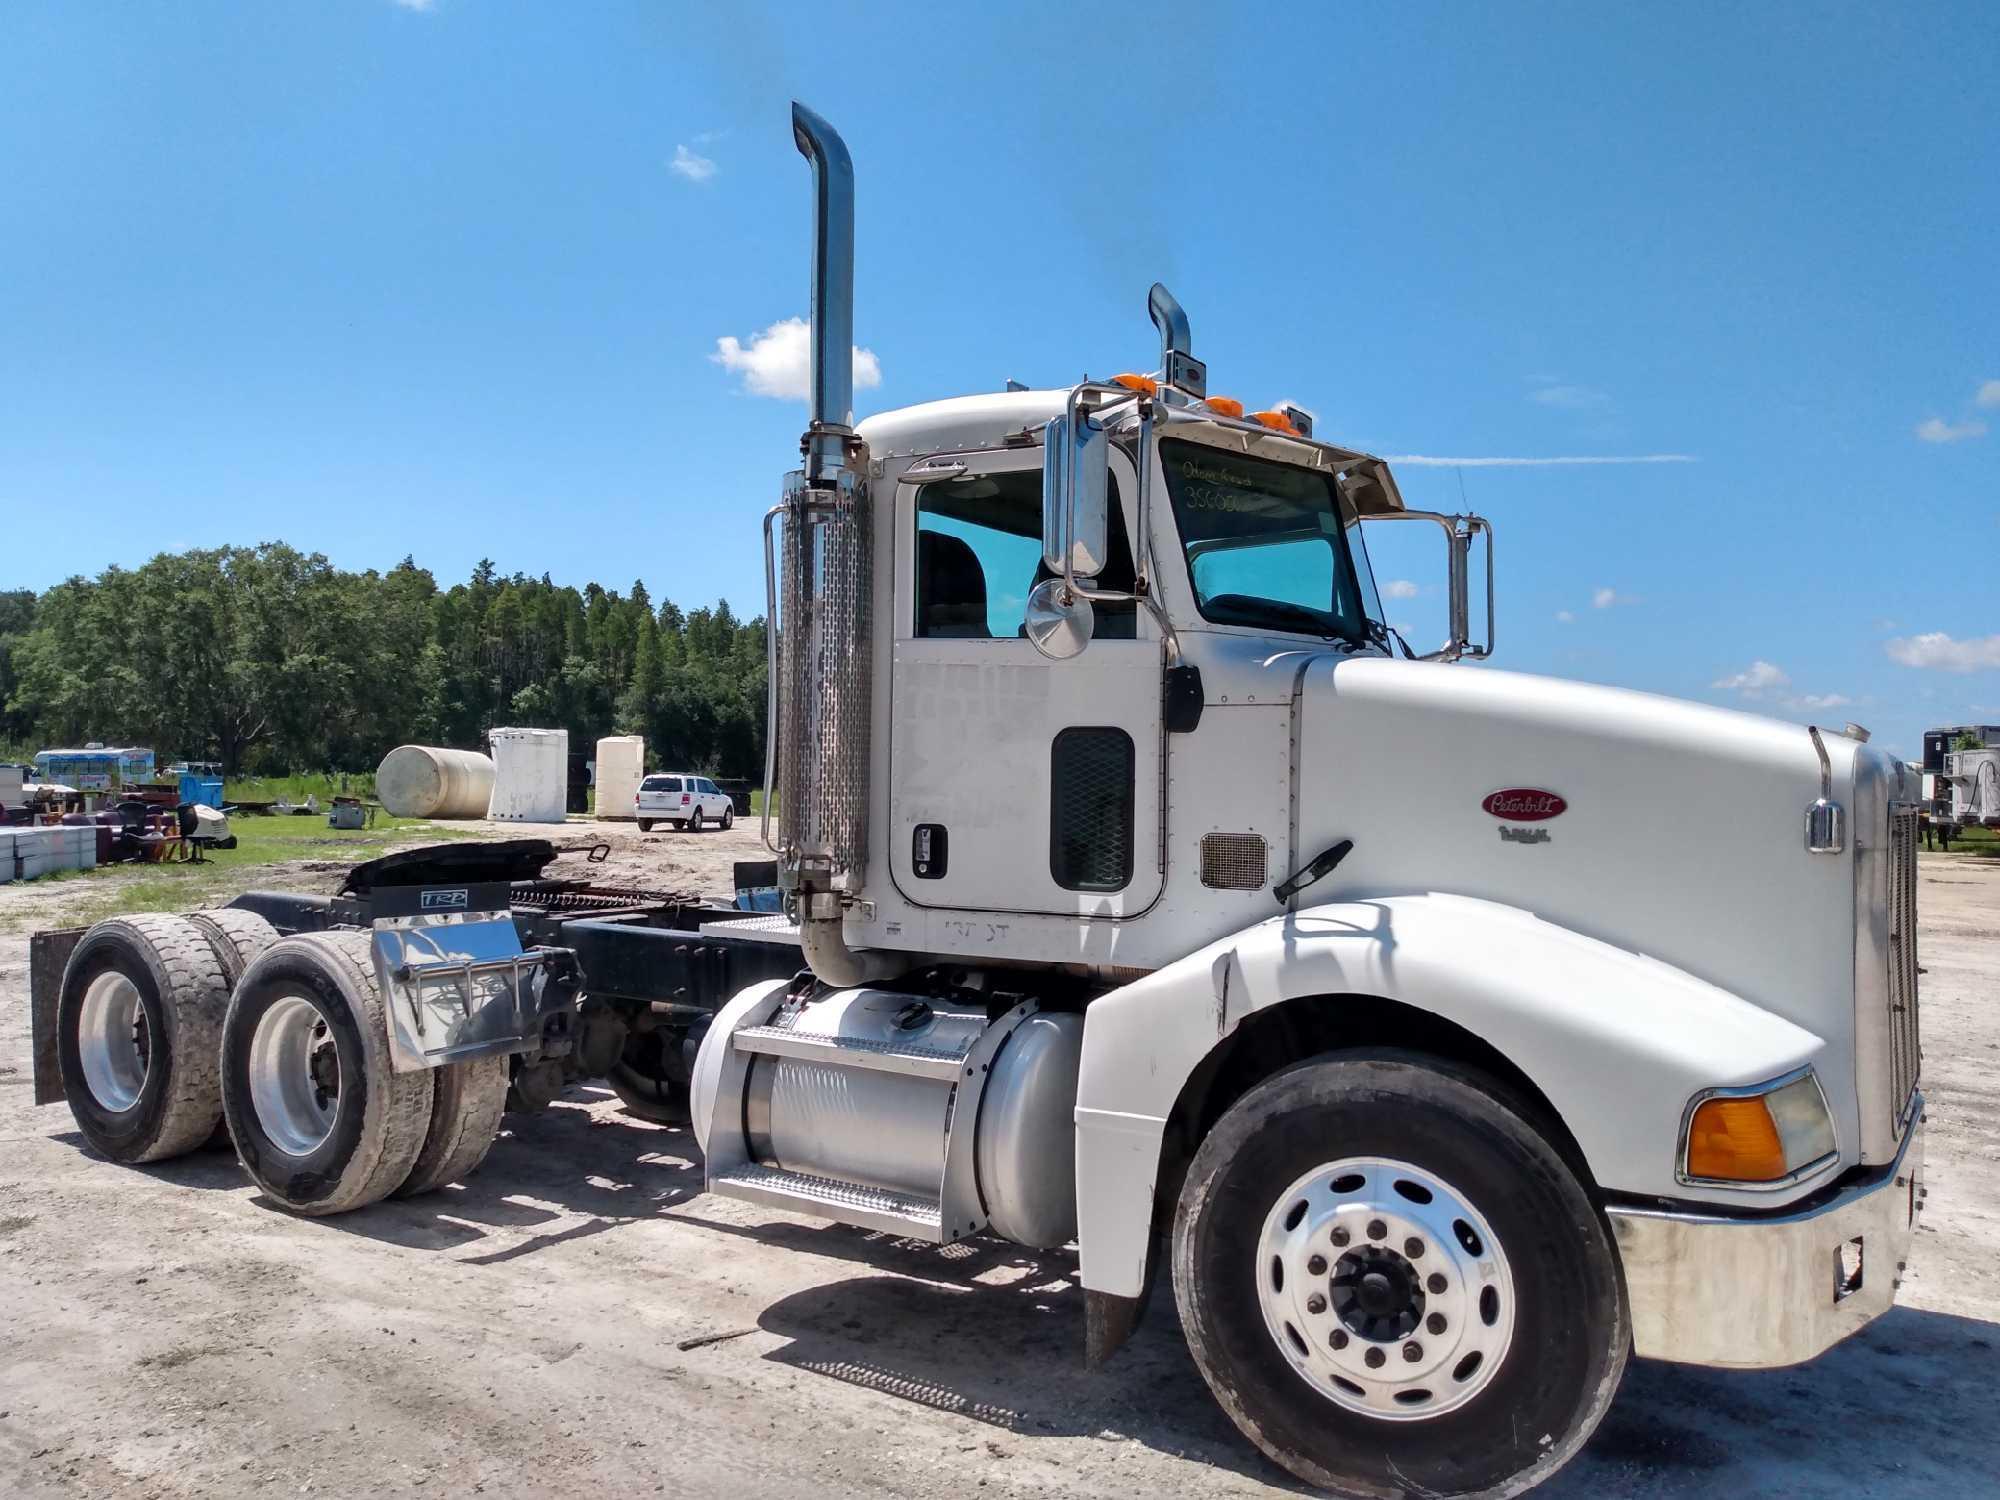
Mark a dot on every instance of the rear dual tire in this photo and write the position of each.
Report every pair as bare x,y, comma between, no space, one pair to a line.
138,1022
322,1122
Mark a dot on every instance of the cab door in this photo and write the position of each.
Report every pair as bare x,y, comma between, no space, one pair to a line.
1017,784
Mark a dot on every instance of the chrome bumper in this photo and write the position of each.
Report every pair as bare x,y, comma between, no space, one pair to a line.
1763,1293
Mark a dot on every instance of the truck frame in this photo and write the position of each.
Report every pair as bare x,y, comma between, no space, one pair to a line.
1098,929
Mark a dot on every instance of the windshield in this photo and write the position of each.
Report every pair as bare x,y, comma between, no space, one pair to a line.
1265,544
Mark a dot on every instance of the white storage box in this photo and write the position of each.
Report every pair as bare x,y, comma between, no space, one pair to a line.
530,775
621,765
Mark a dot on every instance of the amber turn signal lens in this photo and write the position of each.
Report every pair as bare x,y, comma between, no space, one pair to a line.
1145,385
1735,1140
1274,419
1225,406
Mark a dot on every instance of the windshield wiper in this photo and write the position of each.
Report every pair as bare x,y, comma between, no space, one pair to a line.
1281,614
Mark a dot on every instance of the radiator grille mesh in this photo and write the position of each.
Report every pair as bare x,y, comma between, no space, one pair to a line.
1233,862
1905,1052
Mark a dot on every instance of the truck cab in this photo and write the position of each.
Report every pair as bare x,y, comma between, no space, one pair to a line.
1086,708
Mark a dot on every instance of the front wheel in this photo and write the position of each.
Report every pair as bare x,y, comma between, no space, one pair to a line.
1394,1284
728,818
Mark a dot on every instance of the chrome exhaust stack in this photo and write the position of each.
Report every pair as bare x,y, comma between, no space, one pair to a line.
822,584
832,395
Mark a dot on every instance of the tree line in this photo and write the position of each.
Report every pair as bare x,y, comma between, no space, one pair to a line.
271,661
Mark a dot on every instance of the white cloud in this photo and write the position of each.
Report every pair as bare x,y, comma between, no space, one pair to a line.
416,4
1564,617
777,362
1755,680
1604,598
1431,461
1989,394
1822,700
1571,397
1941,652
688,164
1400,588
1938,430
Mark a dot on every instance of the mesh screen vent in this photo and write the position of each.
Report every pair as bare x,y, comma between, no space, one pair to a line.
1233,861
1091,788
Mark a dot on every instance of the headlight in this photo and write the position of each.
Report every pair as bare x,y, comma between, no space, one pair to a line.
1764,1136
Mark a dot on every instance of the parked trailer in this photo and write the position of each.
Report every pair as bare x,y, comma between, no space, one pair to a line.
1097,930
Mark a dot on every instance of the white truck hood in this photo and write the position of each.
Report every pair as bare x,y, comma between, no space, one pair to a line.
1680,834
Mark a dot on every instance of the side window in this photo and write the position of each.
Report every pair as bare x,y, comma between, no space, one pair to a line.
979,553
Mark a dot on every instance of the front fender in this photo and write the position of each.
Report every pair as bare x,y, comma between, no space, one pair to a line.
1616,1041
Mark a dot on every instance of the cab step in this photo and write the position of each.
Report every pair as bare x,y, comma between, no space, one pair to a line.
911,1060
823,1198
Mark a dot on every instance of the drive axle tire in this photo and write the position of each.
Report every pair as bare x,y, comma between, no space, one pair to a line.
137,1027
321,1121
650,1079
467,1101
1394,1284
236,936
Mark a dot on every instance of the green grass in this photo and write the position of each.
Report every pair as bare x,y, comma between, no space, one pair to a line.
121,890
1977,843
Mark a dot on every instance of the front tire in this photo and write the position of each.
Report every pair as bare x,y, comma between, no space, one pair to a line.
321,1121
1393,1282
728,818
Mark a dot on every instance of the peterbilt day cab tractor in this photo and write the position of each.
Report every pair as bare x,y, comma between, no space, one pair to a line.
1101,930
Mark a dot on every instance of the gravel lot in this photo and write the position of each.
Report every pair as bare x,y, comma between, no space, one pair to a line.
164,1332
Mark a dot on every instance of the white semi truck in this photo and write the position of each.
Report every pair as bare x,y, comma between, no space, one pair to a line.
1104,928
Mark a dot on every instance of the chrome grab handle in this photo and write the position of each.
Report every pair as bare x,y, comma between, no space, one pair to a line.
466,970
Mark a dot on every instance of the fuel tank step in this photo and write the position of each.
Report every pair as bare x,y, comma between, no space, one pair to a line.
823,1198
908,1058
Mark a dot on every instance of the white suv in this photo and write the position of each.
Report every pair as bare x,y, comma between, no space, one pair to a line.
690,802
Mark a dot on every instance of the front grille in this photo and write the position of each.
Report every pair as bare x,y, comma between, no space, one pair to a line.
1905,1053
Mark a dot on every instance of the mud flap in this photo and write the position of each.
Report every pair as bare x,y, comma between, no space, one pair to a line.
48,956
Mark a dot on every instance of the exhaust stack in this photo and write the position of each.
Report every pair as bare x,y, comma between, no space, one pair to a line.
832,410
822,654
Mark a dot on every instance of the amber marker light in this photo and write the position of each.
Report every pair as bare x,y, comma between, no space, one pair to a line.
1764,1136
1145,385
1275,420
1224,406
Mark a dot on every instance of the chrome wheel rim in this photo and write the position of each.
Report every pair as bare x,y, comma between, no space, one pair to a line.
114,1043
294,1075
1385,1288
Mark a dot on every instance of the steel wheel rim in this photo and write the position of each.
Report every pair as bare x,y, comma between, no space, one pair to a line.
114,1043
294,1075
1374,1329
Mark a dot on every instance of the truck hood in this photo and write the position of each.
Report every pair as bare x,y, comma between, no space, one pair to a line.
1670,829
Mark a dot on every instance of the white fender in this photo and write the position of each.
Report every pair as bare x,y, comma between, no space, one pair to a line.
1617,1042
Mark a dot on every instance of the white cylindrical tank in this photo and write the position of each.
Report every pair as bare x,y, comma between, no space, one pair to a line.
423,781
530,774
621,765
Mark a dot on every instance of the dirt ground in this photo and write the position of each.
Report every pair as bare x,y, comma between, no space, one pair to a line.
578,1318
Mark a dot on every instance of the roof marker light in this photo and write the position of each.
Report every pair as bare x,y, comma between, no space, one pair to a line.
1145,385
1275,420
1225,406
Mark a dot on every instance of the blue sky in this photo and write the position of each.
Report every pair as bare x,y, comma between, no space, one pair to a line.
450,279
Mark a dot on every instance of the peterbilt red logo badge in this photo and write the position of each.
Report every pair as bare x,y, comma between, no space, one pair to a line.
1524,804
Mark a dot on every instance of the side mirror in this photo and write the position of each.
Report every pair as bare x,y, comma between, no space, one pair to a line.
1076,467
1459,532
